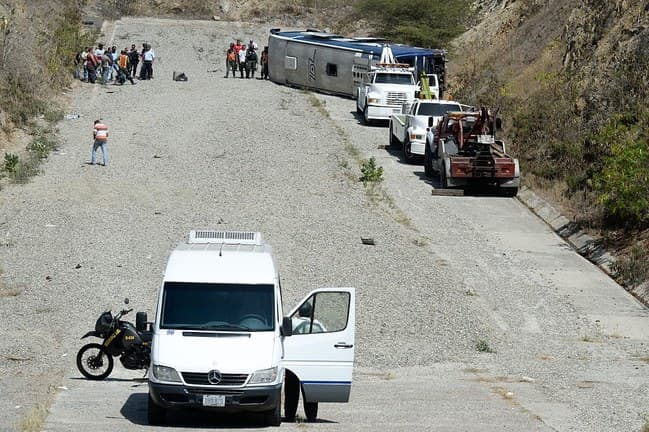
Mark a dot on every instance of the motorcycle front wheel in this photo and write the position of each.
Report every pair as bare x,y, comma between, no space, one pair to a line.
93,362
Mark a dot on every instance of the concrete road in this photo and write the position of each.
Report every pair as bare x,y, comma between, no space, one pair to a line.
563,348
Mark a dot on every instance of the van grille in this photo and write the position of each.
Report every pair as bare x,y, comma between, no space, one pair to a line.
397,98
200,378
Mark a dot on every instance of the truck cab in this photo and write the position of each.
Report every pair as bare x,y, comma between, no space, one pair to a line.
221,339
383,91
414,127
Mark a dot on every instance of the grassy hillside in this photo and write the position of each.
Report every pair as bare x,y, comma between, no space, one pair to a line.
570,80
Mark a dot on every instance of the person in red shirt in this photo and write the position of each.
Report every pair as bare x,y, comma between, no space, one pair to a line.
92,62
239,47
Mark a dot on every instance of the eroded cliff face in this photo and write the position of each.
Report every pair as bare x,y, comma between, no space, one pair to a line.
605,46
601,45
331,14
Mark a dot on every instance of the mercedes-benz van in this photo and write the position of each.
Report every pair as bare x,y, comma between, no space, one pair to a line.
221,340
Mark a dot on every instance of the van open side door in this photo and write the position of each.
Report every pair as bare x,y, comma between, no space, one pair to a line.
321,349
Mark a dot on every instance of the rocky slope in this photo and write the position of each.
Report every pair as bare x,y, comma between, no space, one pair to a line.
570,79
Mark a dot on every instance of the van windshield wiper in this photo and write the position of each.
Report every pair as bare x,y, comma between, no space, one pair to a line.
224,326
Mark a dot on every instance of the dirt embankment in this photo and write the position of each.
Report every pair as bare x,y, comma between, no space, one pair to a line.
561,72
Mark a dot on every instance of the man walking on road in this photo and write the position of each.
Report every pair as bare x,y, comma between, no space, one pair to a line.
100,135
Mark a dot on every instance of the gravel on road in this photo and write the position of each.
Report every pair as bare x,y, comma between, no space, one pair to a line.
444,274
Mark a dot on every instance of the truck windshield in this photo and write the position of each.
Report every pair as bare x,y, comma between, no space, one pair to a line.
437,110
223,307
394,78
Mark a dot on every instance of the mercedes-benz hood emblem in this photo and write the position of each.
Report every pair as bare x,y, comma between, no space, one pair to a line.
214,376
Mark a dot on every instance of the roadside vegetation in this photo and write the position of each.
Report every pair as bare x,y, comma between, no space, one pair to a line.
31,86
427,23
575,113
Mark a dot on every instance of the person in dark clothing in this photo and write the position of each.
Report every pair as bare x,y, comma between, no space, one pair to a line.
134,59
251,62
264,63
231,61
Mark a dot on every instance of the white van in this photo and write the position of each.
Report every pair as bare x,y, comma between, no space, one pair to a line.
221,340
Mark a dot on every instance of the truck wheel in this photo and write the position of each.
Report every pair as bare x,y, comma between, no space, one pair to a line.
443,182
156,414
394,142
428,162
366,118
311,410
408,157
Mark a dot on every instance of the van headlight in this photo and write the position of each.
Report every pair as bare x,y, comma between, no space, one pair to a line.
165,373
264,376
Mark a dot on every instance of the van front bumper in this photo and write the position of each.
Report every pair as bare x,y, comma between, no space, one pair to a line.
255,399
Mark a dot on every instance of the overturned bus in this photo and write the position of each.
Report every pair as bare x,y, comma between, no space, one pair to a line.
335,64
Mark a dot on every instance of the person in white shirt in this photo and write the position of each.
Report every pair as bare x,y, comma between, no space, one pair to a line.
147,66
242,61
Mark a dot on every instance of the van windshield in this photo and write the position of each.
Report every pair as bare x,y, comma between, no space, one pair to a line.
223,307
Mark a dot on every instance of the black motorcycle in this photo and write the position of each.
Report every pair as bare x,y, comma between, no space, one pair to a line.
131,343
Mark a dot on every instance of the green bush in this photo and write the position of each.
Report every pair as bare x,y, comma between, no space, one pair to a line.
428,23
11,162
623,183
39,147
371,172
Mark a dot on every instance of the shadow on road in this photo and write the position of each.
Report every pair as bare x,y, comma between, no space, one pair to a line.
375,123
135,411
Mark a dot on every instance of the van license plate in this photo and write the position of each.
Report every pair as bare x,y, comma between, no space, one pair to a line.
214,400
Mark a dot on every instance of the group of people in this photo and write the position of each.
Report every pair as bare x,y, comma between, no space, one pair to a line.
244,58
107,65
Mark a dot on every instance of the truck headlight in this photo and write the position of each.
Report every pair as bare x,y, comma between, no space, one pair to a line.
373,100
165,373
264,376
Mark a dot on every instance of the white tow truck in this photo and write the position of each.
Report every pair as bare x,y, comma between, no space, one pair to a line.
385,88
411,129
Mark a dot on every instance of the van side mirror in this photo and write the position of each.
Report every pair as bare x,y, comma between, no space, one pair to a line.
287,327
141,321
431,122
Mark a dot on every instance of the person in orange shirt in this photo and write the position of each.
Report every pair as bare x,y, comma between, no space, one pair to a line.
123,65
100,136
230,61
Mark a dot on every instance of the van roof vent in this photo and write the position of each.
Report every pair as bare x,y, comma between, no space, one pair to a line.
225,237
